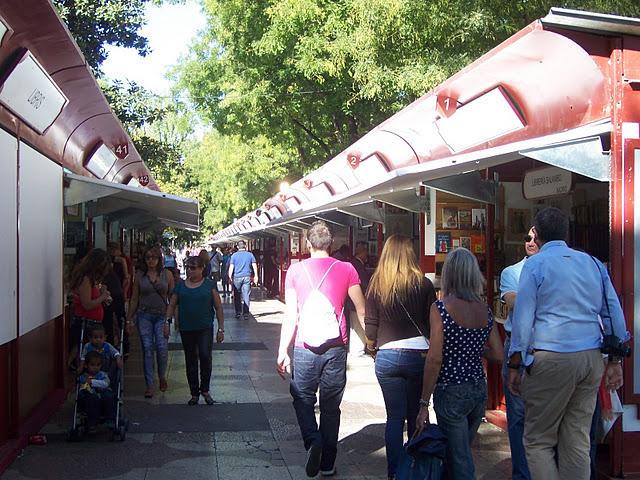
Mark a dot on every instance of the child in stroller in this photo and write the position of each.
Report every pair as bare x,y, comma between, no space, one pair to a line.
95,398
107,352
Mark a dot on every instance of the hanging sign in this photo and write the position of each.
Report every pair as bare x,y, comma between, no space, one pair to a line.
30,93
121,150
546,182
143,180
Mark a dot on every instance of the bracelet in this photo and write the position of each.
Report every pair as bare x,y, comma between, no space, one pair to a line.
424,403
615,360
514,366
220,330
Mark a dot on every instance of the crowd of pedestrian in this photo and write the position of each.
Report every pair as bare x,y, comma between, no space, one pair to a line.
428,346
429,349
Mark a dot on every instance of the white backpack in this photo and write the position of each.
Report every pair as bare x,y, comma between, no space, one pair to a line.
317,320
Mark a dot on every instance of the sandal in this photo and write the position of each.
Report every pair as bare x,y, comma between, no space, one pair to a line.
193,401
163,385
207,398
148,393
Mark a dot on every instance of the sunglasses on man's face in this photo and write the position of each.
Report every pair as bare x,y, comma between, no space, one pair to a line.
528,238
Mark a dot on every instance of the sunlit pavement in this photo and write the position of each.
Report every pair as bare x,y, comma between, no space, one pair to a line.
250,433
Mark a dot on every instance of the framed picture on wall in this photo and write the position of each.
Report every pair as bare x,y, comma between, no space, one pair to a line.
518,223
465,242
464,219
479,218
450,217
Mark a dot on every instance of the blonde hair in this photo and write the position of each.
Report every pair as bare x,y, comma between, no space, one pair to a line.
461,276
397,271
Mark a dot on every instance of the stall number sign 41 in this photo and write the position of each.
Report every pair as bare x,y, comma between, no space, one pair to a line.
121,150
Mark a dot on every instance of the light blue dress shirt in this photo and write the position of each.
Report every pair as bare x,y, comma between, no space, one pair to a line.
509,279
560,302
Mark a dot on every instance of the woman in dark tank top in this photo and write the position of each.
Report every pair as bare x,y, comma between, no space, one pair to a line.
151,288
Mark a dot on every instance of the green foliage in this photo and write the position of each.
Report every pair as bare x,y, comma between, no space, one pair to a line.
230,177
96,23
315,75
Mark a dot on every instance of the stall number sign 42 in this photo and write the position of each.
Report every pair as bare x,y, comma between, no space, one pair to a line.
121,150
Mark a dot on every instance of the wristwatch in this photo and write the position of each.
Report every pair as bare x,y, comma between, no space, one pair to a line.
424,403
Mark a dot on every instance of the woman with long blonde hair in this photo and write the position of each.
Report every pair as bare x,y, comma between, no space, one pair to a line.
397,328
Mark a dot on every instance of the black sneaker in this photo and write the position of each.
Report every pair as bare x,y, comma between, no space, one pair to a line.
314,454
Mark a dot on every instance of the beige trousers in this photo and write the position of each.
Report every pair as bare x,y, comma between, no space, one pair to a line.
560,397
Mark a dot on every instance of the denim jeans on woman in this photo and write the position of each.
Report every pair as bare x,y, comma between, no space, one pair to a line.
399,374
197,345
459,409
150,329
328,371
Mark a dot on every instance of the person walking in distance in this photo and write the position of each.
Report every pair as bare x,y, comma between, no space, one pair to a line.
315,292
556,335
509,279
241,265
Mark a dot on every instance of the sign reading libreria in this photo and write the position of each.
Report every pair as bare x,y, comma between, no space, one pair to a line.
546,182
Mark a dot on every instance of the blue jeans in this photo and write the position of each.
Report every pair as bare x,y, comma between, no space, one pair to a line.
515,423
150,329
459,409
242,286
399,374
328,371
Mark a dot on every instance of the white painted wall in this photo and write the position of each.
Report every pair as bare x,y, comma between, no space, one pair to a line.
40,249
8,237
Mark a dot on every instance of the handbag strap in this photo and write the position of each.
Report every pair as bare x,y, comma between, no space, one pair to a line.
164,300
411,319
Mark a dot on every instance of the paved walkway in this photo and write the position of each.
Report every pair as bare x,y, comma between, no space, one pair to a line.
251,431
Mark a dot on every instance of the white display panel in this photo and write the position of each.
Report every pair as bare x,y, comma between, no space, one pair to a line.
8,238
40,241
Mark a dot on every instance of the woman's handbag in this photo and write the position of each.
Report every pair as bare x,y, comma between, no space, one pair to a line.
424,455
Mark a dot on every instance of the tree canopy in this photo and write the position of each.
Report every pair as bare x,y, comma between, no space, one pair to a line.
315,75
95,24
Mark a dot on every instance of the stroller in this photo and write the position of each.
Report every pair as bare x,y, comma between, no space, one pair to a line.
79,427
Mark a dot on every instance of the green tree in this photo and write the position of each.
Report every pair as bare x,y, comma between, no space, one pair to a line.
94,24
315,75
230,176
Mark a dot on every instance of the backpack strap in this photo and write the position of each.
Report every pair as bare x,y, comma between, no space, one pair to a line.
323,277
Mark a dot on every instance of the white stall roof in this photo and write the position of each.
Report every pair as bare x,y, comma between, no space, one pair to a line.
136,206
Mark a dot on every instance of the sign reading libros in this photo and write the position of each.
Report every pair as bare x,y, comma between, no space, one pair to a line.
546,182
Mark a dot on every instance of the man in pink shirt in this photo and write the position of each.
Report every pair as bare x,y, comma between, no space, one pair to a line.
321,364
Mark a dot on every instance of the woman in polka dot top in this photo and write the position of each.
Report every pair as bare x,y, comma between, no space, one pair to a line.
461,326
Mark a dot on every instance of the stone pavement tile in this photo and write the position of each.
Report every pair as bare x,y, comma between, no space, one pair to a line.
96,458
182,438
234,391
256,453
254,473
201,468
248,436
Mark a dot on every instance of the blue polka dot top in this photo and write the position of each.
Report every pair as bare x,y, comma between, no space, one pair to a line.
462,349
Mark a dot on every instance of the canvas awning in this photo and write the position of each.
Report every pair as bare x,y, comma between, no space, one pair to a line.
134,207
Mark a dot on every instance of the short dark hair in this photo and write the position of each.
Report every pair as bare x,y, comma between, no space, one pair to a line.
319,235
551,224
92,356
97,328
241,244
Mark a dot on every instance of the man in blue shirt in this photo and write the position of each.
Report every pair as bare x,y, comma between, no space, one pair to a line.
240,266
556,334
515,404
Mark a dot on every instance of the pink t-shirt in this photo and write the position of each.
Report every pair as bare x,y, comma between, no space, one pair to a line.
335,287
